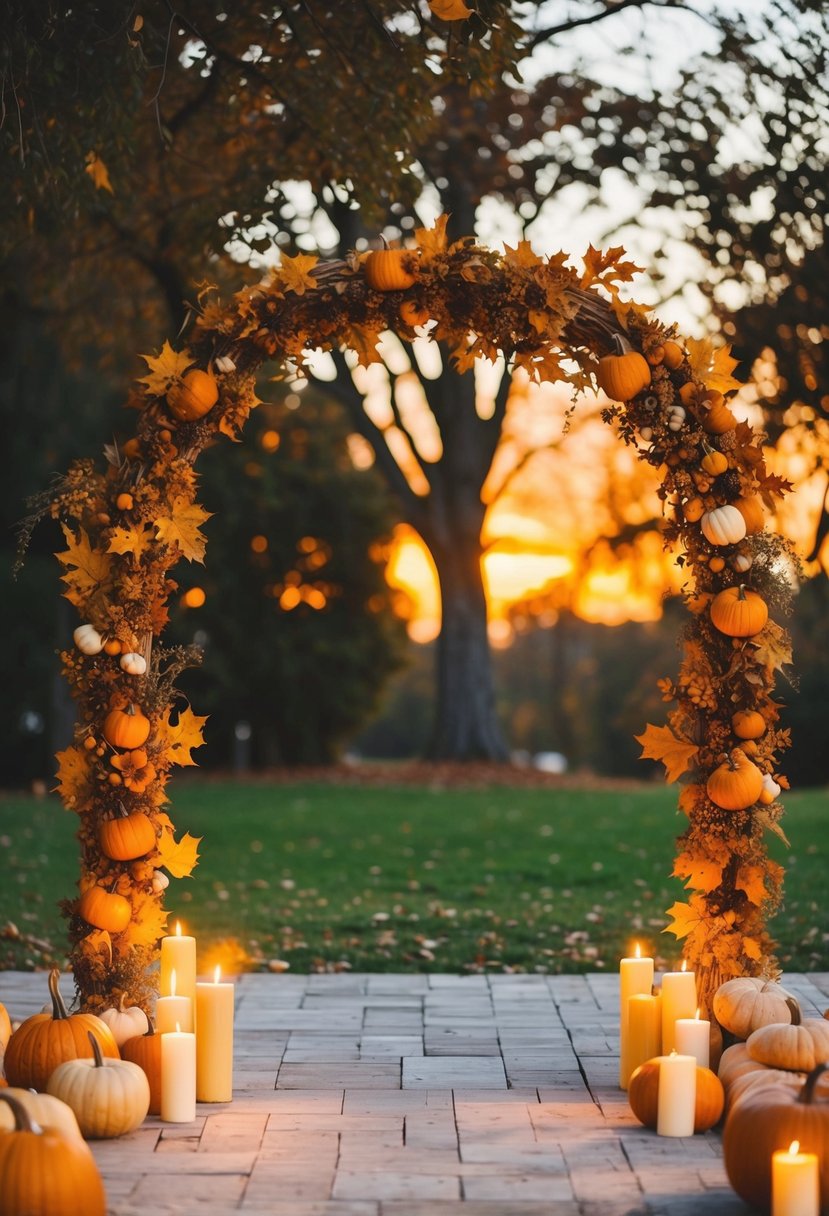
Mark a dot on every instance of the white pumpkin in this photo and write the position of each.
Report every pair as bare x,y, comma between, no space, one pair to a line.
647,433
741,562
770,789
723,526
88,640
676,417
160,881
133,664
224,364
125,1023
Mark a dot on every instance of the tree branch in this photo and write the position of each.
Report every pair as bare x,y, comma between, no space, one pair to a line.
565,27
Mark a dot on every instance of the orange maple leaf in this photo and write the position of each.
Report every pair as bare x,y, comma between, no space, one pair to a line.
772,646
177,741
450,10
165,369
72,775
89,567
98,171
686,917
147,925
294,273
521,255
702,873
363,342
178,856
660,743
712,365
751,880
131,540
431,241
607,266
179,528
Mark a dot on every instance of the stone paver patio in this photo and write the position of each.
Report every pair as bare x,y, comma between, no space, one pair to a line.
415,1095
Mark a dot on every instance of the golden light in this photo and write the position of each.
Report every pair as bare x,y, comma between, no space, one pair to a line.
217,975
193,597
313,597
289,598
638,951
259,544
270,440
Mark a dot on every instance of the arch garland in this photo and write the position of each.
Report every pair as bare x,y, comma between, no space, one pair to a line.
128,524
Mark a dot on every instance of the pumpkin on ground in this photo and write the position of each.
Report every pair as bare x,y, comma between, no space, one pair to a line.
44,1173
47,1039
735,1062
125,1022
768,1118
145,1051
745,1004
44,1109
5,1028
738,612
643,1095
109,1097
799,1046
735,784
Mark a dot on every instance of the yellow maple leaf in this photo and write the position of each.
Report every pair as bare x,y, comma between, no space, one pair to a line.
751,879
606,266
96,940
131,540
72,775
772,646
98,171
521,255
146,927
752,948
431,241
712,365
450,10
702,873
178,739
689,797
165,369
178,856
685,917
88,567
179,528
294,273
660,743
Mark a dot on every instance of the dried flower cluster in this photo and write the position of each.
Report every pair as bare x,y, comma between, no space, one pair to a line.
127,526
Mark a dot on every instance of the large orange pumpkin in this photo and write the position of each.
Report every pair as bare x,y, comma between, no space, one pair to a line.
44,1173
748,724
738,612
746,1003
736,784
768,1118
47,1039
623,376
5,1028
643,1095
386,269
105,909
128,727
127,836
193,395
751,509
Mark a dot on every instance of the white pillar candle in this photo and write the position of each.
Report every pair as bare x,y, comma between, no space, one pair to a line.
635,978
693,1038
214,1041
178,953
795,1183
677,1095
178,1077
173,1012
679,1000
644,1031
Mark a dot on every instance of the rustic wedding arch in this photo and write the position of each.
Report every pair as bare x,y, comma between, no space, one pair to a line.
128,525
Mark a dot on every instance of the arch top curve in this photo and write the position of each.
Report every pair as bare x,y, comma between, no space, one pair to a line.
127,525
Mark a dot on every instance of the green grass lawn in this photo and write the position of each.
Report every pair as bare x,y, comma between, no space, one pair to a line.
413,878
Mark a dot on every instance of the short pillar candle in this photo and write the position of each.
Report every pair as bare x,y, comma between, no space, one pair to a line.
174,1012
693,1038
635,978
178,953
679,1000
214,1041
644,1030
677,1095
795,1182
178,1077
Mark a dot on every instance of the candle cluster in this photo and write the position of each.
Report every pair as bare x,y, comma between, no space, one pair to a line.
195,1020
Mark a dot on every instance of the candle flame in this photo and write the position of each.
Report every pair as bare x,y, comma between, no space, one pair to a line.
217,975
684,966
173,982
794,1148
178,1027
638,951
696,1015
178,928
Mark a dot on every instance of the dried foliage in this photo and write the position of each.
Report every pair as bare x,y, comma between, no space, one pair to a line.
126,527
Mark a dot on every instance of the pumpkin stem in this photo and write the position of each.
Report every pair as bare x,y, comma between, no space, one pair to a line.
58,1007
23,1121
794,1010
741,591
621,346
150,1027
96,1049
807,1093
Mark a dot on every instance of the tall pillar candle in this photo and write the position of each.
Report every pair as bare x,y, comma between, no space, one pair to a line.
679,1000
178,1077
795,1183
644,1030
635,978
174,1012
178,953
692,1037
677,1095
214,1041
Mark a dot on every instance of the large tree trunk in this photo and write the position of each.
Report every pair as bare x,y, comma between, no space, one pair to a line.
466,725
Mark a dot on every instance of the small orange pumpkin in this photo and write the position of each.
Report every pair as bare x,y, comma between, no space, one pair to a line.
643,1095
128,727
714,462
736,784
387,269
127,836
47,1039
738,613
693,510
719,419
105,909
751,509
748,724
623,376
193,395
672,355
145,1051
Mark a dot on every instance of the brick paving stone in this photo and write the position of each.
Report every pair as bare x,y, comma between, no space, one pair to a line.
417,1186
450,1072
360,1073
516,1187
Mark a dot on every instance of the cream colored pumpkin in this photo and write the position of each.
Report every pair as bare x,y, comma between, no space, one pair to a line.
88,640
44,1109
125,1022
745,1004
133,664
109,1097
723,526
798,1047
